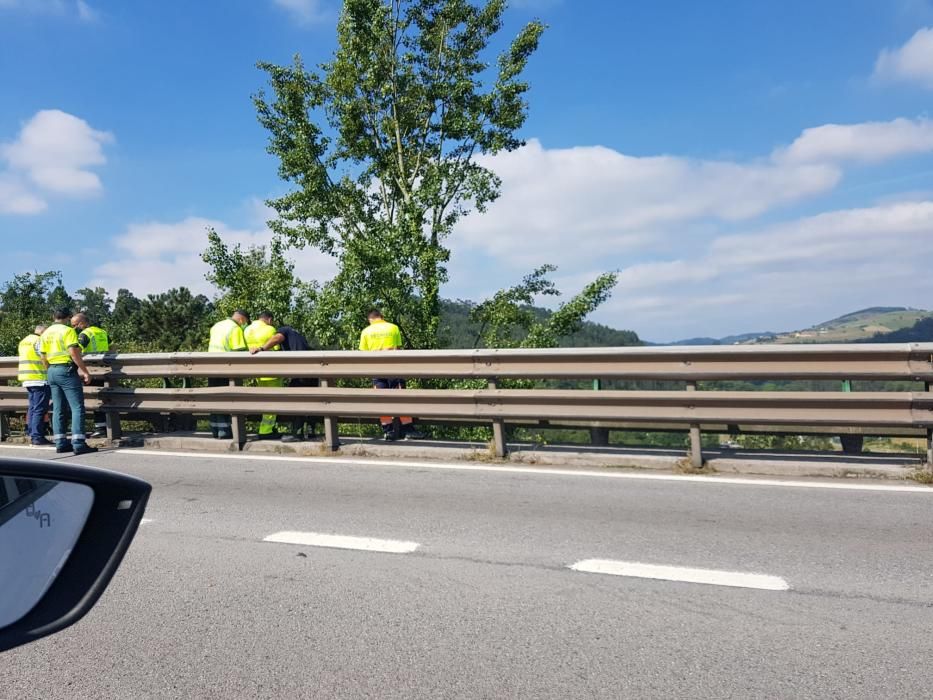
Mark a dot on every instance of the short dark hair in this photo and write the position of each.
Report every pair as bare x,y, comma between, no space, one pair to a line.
241,312
61,314
374,313
265,314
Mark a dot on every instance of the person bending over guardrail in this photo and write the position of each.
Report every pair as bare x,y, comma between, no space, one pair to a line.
291,340
257,334
226,336
381,335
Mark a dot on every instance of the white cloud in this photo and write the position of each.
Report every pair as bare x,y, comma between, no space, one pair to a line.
155,256
87,13
303,11
53,154
574,204
55,149
868,142
597,199
61,8
16,199
785,276
910,63
591,209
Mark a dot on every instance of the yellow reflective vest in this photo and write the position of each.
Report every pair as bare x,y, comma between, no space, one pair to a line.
97,339
55,342
258,333
226,336
381,335
31,367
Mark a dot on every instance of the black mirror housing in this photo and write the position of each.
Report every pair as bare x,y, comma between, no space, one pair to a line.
114,516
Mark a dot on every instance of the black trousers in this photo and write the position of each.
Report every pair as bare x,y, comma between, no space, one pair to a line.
299,422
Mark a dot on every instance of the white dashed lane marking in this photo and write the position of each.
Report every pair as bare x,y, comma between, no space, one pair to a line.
712,577
366,544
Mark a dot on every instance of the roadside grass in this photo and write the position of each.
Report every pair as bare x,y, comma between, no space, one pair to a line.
922,475
684,466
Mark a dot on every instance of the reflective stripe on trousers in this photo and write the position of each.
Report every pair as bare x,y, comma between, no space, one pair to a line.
268,422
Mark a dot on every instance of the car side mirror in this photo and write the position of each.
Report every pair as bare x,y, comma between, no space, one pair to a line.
63,532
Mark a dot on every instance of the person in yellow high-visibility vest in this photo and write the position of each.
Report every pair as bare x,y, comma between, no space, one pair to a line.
380,335
257,334
67,374
226,336
33,376
92,339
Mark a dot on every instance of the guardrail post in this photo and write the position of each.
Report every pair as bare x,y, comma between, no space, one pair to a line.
114,428
929,387
599,437
696,446
331,427
5,420
498,428
238,423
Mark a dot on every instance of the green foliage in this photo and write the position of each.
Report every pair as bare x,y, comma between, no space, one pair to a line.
818,443
257,279
459,331
920,332
96,304
32,296
508,319
380,146
26,300
174,321
125,320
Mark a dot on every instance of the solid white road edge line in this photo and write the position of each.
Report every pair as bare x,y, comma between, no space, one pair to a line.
366,544
145,520
712,577
638,476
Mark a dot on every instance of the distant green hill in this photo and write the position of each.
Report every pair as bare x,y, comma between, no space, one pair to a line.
882,324
460,332
857,326
727,340
920,332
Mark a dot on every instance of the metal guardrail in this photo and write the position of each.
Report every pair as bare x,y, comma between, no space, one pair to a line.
889,411
908,361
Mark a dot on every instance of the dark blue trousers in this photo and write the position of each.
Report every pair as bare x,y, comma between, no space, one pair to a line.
38,406
67,389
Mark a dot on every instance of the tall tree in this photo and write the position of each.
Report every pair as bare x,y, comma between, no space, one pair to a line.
26,300
95,303
125,320
174,321
381,146
31,295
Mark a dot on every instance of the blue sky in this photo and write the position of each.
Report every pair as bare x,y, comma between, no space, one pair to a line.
746,165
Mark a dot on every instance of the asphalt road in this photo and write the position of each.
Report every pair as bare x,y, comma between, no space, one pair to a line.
487,606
